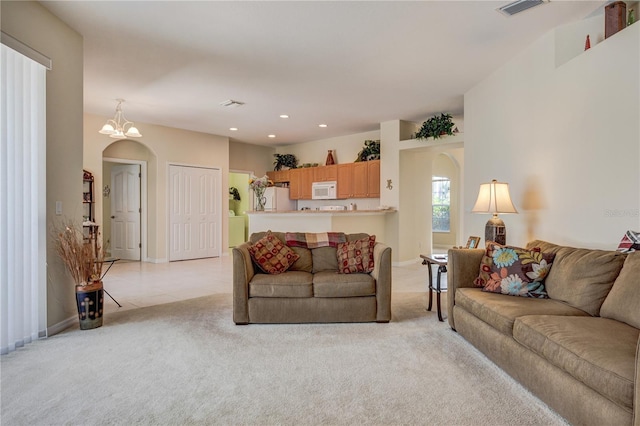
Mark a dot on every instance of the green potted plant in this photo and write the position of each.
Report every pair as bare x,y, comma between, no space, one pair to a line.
435,127
370,151
84,258
284,160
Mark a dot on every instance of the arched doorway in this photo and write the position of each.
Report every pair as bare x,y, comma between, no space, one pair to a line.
125,215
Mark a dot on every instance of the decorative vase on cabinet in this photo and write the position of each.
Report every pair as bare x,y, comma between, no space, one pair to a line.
330,160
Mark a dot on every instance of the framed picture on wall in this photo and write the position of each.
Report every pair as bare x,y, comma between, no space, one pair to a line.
473,242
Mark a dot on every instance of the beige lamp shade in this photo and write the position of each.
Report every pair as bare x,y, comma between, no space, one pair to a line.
494,198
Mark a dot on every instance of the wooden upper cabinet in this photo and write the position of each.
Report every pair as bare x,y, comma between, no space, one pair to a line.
325,173
295,183
374,178
279,176
359,180
300,181
305,184
345,180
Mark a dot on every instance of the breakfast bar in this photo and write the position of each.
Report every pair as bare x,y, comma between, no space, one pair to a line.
348,221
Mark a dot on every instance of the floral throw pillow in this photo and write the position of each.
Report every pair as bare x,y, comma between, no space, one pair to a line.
272,255
356,256
514,271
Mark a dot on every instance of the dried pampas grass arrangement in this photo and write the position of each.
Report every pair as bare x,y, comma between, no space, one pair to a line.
82,256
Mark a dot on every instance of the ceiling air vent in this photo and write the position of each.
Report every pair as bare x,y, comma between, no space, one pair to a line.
231,103
519,6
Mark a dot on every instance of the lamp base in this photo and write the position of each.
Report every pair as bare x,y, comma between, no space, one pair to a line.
495,230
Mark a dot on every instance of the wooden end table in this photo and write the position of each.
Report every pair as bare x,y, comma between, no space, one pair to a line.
441,260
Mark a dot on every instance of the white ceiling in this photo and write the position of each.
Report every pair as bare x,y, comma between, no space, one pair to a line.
350,65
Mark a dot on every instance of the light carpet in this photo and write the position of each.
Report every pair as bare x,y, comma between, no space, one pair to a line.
188,363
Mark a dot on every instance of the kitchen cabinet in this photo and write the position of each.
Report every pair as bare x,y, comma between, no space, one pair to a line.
300,181
359,180
373,177
325,173
279,176
345,180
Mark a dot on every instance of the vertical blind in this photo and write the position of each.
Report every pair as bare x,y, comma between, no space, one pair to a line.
22,201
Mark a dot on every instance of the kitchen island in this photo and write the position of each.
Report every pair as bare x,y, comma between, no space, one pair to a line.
371,222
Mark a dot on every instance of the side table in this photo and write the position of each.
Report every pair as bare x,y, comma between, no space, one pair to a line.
440,260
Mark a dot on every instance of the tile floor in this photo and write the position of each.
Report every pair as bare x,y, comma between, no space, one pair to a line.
140,284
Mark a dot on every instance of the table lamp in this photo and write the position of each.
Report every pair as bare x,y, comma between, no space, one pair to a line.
494,198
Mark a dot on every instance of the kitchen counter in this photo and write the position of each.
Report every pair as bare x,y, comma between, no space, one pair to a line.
324,212
348,221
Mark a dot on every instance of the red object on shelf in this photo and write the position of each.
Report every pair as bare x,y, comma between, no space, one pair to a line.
587,43
330,159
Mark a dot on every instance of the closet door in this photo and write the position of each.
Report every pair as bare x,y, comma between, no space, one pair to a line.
195,217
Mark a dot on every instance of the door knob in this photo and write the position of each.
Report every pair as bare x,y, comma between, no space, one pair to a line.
113,217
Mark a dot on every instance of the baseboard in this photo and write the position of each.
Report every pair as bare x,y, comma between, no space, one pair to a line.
152,260
61,326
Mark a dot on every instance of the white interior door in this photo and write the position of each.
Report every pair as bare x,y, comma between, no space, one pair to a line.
195,217
125,211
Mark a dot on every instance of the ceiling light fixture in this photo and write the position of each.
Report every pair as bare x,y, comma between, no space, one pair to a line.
233,129
284,116
322,125
120,127
271,136
231,103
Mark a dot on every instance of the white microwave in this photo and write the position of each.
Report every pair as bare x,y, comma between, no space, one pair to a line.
324,190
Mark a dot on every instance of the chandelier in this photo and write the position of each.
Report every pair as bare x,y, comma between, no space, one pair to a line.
120,127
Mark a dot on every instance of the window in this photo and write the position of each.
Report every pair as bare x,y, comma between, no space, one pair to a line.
440,201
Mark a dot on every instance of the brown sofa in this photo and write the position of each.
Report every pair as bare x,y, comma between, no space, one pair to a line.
312,290
578,351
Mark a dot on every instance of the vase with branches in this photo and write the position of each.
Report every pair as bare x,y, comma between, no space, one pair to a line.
83,257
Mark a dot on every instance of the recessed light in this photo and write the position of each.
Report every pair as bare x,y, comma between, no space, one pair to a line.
322,125
271,136
233,129
284,116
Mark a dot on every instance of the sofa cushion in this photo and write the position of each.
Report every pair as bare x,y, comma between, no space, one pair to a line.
272,255
304,262
583,277
514,271
287,284
623,301
356,256
599,352
333,284
324,259
500,312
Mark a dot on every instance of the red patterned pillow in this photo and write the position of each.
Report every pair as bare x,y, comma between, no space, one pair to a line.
356,256
272,255
514,271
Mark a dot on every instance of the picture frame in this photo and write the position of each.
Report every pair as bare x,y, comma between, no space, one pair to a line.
473,242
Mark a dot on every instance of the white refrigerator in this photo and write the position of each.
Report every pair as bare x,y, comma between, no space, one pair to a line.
277,199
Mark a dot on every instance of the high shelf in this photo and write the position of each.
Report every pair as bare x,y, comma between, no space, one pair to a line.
89,227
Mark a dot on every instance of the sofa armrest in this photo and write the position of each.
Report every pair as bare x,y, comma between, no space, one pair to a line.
462,269
636,389
243,272
382,274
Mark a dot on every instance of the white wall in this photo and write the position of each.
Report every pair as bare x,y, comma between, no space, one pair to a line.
566,139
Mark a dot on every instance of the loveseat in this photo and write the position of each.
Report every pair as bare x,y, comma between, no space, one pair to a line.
577,350
311,290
